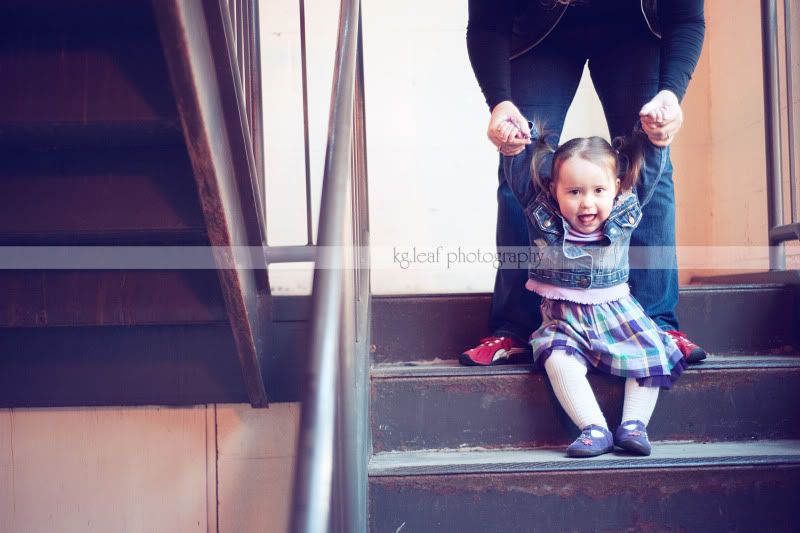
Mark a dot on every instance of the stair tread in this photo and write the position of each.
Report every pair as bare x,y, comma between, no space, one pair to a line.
39,135
666,454
120,236
443,368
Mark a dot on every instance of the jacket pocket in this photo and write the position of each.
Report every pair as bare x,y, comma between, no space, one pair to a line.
545,220
626,220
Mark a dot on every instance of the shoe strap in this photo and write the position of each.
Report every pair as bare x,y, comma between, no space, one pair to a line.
588,430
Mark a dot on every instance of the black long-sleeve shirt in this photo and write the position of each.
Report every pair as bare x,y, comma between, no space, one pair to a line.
682,25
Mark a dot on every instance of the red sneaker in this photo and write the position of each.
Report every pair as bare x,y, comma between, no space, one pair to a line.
492,351
691,352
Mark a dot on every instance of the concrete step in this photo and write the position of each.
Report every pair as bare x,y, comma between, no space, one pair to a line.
444,405
735,319
732,486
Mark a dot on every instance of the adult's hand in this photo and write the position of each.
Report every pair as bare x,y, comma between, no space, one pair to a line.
661,118
509,149
508,129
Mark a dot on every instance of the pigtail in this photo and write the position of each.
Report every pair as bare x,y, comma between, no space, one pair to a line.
542,162
630,158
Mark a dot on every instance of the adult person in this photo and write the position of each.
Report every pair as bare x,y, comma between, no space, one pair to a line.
528,57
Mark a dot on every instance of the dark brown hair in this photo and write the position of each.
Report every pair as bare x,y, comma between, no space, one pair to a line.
623,158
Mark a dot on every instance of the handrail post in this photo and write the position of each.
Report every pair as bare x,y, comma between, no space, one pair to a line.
787,38
772,129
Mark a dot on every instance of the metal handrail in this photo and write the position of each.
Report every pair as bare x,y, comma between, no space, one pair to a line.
242,29
332,448
787,33
778,231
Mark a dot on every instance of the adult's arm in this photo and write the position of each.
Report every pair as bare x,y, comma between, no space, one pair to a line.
488,45
488,38
682,32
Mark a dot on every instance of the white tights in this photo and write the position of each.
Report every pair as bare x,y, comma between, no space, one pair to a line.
568,377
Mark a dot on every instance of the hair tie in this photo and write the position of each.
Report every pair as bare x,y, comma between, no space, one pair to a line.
551,141
545,168
623,164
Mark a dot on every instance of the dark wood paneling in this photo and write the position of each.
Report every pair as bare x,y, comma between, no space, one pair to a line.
66,193
71,298
157,365
199,57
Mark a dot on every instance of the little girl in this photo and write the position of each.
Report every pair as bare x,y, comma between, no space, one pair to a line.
581,211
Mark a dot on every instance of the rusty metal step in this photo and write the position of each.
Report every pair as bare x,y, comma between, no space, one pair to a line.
56,298
735,319
444,405
119,365
81,62
742,486
86,15
29,140
137,364
113,195
666,454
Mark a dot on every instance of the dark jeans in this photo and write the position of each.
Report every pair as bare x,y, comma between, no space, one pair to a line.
623,61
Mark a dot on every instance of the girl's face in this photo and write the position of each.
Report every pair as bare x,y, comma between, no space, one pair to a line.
585,193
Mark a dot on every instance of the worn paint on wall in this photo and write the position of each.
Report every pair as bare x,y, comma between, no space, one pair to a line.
7,500
204,469
135,469
737,194
256,449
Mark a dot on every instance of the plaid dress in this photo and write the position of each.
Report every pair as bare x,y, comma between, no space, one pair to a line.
616,338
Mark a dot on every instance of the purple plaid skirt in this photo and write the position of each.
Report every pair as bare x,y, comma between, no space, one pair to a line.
616,338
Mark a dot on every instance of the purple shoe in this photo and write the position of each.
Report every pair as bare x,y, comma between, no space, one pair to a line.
593,441
631,436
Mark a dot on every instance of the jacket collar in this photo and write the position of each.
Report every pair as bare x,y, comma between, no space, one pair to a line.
545,213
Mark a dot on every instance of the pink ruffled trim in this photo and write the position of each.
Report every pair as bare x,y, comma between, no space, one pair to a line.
579,296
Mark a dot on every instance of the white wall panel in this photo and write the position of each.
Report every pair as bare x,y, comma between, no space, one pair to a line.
101,470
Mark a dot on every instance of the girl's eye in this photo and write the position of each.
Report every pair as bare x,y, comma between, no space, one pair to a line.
599,190
574,192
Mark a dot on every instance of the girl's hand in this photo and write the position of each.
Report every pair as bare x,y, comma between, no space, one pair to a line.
661,118
512,149
508,129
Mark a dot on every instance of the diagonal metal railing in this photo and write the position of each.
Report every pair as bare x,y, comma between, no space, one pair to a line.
330,485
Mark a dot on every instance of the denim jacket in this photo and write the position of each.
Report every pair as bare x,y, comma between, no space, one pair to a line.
557,261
